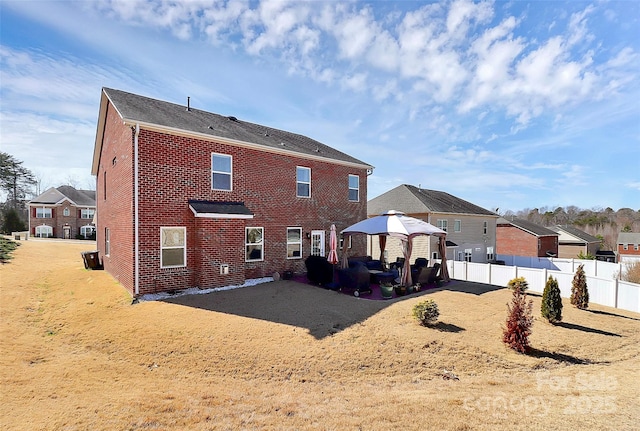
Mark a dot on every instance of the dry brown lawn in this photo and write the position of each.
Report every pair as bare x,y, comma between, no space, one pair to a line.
77,355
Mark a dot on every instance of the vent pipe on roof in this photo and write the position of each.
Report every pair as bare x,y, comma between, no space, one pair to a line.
188,103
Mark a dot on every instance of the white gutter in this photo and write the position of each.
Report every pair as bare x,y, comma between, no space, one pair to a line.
136,268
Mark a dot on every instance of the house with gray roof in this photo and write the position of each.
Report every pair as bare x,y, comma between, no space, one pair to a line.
518,237
573,242
63,212
189,198
471,229
628,249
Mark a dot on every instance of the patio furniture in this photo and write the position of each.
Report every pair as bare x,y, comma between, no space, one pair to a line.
425,274
355,278
319,270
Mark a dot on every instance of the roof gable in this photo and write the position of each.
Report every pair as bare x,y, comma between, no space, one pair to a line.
629,238
412,200
54,196
174,118
50,196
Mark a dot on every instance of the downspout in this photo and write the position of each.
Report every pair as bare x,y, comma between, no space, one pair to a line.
136,254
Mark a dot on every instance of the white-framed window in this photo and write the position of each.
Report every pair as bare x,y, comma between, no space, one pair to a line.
107,241
341,241
294,243
354,188
303,182
636,247
44,231
173,247
66,212
485,227
43,212
457,225
625,247
221,172
87,231
442,224
468,252
490,253
254,244
87,213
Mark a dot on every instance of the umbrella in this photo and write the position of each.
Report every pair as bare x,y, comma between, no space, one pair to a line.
333,246
398,225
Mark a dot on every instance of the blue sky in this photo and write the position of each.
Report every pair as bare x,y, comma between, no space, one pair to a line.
509,105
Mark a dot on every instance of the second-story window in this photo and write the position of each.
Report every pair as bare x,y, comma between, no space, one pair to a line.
303,182
221,169
66,212
442,224
354,188
457,225
87,213
43,212
485,227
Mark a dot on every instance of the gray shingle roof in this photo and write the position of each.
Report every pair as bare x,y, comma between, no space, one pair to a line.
142,109
575,232
412,200
54,195
527,226
629,238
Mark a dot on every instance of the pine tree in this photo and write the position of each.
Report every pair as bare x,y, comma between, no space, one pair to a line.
579,291
551,301
519,319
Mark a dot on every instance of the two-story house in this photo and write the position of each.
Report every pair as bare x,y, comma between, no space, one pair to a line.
519,237
471,230
628,249
63,212
188,198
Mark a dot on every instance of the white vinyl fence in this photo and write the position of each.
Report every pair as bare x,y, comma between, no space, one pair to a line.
603,282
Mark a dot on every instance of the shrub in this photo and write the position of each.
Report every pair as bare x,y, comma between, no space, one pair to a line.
579,291
632,272
551,301
426,312
519,318
519,284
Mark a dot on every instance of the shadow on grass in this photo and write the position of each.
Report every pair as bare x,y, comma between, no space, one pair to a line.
586,329
447,327
322,312
560,357
606,313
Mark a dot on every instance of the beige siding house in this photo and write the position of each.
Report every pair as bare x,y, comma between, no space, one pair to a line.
572,242
471,230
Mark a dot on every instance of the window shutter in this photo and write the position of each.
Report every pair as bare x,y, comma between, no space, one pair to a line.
79,213
34,212
53,213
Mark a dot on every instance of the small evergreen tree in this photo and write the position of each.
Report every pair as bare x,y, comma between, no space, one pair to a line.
579,291
519,318
551,301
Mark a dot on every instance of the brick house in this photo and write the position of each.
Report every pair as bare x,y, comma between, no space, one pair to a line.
572,242
522,238
628,249
63,212
471,230
188,198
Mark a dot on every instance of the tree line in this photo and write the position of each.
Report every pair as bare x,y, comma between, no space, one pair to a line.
603,223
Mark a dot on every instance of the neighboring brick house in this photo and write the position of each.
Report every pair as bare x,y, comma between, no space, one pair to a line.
628,247
471,230
63,212
572,242
188,198
522,238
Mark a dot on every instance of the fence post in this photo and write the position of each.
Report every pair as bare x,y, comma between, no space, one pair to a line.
544,277
615,285
489,275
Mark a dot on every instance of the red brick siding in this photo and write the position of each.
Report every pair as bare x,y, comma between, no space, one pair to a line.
630,250
115,210
511,240
175,169
58,219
